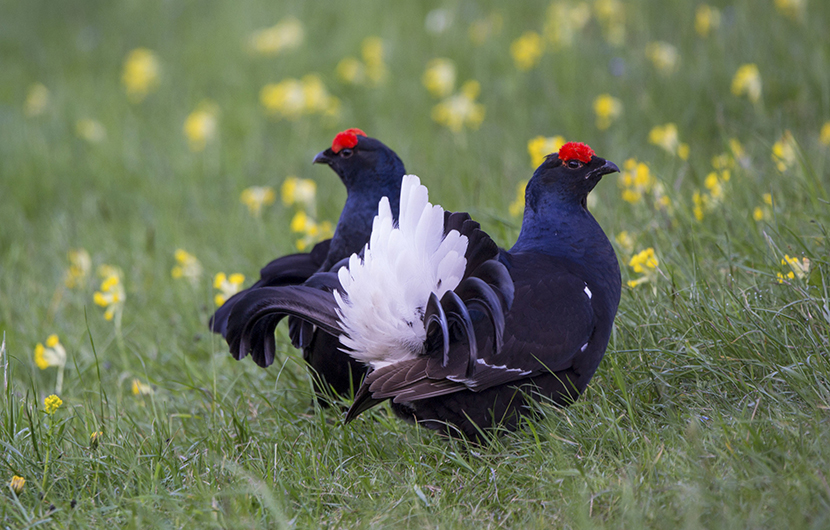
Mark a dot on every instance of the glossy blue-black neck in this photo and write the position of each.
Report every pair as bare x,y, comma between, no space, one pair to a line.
365,185
556,220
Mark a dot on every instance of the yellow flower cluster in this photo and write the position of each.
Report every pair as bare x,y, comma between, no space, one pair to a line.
141,74
312,231
140,389
784,152
439,77
461,109
541,146
793,9
227,286
763,212
663,56
666,137
187,266
297,191
17,484
637,182
51,404
484,28
625,242
707,18
517,207
255,197
90,130
37,99
201,124
53,354
287,34
611,16
292,98
372,71
607,108
111,294
563,21
645,263
527,50
798,268
80,264
747,82
95,439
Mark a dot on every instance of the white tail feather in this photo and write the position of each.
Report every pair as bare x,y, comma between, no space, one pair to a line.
387,291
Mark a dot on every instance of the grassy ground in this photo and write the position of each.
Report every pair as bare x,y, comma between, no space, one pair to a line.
710,410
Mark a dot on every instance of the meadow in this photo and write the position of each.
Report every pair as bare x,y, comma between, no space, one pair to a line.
147,146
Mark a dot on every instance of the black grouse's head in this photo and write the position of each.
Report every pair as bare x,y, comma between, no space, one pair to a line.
362,162
568,175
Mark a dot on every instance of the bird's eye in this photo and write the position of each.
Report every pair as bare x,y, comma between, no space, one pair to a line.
346,153
574,164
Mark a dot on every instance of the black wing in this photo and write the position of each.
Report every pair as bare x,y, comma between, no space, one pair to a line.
293,269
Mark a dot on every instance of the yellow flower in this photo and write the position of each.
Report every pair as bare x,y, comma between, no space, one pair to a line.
713,183
460,110
666,137
517,206
17,484
298,191
484,28
314,232
37,99
747,81
789,276
663,56
53,354
799,268
767,198
643,260
301,222
141,74
90,130
636,180
707,18
52,403
187,266
784,152
825,133
563,21
758,214
645,263
291,98
793,9
255,197
625,241
607,108
79,266
527,50
95,438
287,34
200,125
699,201
227,286
439,77
611,15
140,389
111,294
351,71
540,147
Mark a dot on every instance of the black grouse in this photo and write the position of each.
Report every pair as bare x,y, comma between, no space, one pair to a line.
458,345
369,170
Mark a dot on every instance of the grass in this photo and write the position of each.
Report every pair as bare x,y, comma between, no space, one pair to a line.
710,410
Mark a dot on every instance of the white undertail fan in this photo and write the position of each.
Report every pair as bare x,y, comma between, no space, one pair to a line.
429,288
